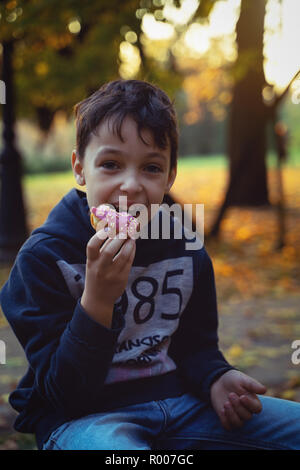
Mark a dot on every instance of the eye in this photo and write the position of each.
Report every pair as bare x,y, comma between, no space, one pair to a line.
153,169
109,165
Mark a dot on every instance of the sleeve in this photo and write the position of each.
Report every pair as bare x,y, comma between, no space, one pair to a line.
68,351
195,347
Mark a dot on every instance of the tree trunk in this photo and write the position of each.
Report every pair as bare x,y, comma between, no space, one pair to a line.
13,229
248,117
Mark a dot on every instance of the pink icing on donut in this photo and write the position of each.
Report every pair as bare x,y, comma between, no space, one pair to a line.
121,221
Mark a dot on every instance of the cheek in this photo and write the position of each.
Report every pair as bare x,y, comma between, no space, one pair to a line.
97,191
157,186
159,189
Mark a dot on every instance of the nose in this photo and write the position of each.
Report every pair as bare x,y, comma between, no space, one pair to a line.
131,183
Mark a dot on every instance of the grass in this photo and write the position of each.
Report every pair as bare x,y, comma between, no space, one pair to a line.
220,161
202,161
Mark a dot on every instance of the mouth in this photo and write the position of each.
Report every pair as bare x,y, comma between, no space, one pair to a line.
133,212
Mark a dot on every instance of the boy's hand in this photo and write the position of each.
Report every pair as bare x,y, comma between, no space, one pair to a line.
234,398
107,269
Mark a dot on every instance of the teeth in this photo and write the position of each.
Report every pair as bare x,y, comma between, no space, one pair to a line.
118,209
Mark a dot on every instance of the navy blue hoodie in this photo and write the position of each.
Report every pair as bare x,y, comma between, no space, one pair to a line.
163,340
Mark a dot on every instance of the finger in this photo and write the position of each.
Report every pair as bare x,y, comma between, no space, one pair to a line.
133,231
125,256
243,412
127,267
253,386
224,421
101,224
233,419
103,233
95,243
111,247
251,402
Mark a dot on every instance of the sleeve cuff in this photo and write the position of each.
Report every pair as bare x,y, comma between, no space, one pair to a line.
92,333
210,379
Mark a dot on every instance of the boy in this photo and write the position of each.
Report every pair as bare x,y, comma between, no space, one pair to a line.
121,334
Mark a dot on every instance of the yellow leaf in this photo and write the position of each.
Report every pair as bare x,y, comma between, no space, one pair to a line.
288,394
41,68
235,351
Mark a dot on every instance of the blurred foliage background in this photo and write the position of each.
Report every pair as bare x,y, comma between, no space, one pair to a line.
65,50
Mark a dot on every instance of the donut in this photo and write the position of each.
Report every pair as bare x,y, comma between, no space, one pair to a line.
121,221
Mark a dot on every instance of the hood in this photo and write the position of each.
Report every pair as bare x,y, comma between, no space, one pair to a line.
69,219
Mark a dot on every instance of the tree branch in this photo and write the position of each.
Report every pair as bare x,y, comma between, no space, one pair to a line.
284,93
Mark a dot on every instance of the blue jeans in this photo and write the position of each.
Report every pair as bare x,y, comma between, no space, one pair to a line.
180,423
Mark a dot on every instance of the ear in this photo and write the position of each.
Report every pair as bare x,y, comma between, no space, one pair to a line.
171,179
77,169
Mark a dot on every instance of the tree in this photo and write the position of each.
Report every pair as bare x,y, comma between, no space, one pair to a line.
54,53
13,228
249,117
66,50
249,113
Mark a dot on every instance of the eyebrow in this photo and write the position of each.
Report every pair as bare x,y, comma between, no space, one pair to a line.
115,151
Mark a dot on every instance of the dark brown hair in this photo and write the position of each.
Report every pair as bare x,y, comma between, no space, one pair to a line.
147,104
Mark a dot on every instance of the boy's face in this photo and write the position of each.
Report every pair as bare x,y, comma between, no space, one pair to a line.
112,168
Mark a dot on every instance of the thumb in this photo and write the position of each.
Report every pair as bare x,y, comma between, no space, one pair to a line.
253,386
